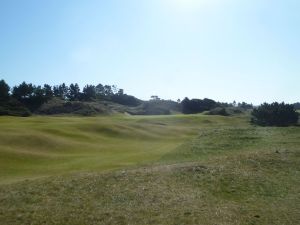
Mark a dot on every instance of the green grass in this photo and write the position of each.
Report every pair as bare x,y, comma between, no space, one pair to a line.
42,146
177,169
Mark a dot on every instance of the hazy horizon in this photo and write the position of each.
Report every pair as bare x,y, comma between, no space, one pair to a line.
225,50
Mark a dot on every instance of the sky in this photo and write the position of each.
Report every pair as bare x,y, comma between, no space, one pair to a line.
226,50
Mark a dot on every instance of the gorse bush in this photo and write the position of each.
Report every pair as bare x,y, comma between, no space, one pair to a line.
275,114
12,107
218,111
197,105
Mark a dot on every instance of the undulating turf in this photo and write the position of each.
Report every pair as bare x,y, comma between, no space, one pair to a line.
167,170
42,146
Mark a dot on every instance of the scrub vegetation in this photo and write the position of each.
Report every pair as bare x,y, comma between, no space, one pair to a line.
26,99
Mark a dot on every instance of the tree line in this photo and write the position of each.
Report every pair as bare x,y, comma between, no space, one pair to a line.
32,96
192,106
26,98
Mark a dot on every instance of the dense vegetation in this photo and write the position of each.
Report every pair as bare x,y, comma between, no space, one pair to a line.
275,114
297,105
26,98
197,105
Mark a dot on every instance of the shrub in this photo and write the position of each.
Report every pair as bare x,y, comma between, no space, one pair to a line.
127,100
218,111
13,107
57,106
197,105
275,114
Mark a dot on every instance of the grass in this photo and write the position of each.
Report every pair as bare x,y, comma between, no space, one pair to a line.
166,170
42,146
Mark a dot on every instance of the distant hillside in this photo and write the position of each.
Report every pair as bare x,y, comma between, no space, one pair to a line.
58,106
26,99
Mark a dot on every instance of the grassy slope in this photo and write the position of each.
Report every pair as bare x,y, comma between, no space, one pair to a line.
41,146
206,170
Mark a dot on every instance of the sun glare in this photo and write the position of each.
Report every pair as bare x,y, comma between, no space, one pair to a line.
189,5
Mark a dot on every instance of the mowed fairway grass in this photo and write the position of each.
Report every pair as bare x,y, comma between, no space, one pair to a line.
179,169
41,146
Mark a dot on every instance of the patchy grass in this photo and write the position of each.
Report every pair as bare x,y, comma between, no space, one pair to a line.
228,141
256,188
199,170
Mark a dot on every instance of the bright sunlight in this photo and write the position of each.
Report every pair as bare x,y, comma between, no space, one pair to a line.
190,5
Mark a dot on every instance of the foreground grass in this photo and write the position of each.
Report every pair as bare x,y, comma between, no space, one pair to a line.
214,170
256,188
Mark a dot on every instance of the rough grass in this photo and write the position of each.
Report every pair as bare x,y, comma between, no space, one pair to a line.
198,170
257,188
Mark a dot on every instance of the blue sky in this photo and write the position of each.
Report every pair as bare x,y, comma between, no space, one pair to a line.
243,50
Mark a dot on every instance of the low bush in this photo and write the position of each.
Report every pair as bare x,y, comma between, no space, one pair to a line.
57,106
13,107
218,111
275,114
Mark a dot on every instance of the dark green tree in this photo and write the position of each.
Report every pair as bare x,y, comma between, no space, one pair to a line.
275,114
56,91
120,92
61,91
99,90
89,92
297,105
108,90
197,105
4,91
37,98
245,105
31,96
23,91
114,89
185,106
48,91
74,92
